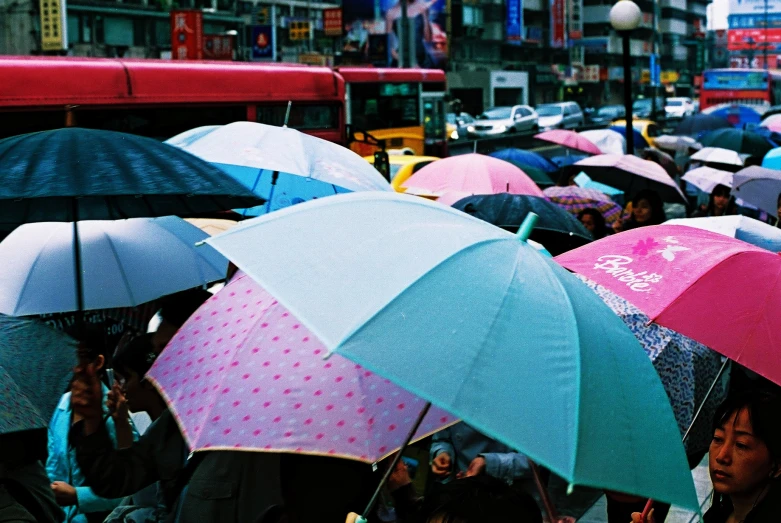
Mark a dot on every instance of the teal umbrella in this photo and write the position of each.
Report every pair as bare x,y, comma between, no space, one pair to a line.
471,318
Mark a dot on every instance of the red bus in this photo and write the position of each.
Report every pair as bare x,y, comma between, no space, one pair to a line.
160,98
754,87
404,108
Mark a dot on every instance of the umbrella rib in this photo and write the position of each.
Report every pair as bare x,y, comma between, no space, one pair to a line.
121,268
28,278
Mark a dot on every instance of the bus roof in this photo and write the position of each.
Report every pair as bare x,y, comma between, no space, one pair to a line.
387,74
54,81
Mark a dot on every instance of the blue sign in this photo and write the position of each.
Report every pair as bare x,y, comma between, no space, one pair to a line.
755,21
734,80
514,22
534,34
655,70
262,42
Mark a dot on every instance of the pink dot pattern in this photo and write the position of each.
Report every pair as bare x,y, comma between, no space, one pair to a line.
244,373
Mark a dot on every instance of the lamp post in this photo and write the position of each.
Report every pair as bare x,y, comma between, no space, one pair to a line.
625,17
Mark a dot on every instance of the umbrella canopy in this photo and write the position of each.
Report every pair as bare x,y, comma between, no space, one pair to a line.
743,228
738,140
718,155
29,392
662,158
630,174
283,166
472,174
607,140
523,340
564,161
85,174
737,115
687,368
583,180
729,299
574,199
696,124
677,143
707,178
758,186
124,263
772,122
569,139
520,156
640,141
772,159
243,373
556,229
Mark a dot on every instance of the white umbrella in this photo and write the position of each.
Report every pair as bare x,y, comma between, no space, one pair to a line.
677,143
608,141
706,178
743,228
759,186
124,263
718,155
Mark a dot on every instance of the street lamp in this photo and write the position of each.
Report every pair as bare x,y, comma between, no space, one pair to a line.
625,17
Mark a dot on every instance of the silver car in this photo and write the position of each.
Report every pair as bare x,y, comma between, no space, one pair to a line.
503,120
564,115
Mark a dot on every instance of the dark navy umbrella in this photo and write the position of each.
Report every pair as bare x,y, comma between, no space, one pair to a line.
556,229
85,174
699,123
530,158
740,141
564,161
640,141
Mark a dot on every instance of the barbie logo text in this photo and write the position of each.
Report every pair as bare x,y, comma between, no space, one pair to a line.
615,266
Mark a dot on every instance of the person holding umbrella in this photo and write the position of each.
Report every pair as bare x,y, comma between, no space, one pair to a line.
646,209
593,220
721,203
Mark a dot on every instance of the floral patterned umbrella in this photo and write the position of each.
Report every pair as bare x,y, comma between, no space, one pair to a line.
574,199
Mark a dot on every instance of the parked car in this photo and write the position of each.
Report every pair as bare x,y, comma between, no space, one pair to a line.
457,125
503,120
679,107
564,115
642,108
608,113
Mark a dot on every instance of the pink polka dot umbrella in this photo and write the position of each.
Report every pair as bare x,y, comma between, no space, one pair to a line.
243,373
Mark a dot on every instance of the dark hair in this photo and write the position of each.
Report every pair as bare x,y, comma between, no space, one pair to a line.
92,342
763,411
655,201
478,499
600,228
721,190
176,308
137,355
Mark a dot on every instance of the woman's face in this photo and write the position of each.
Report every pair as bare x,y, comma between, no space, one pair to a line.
720,201
588,222
739,462
642,211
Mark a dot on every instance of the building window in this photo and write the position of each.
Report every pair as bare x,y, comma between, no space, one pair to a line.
473,15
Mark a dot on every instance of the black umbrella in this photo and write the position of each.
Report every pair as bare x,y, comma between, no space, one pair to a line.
85,174
558,230
699,123
738,140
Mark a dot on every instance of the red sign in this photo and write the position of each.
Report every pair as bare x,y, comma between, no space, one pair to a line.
217,47
187,35
744,39
742,62
558,36
332,22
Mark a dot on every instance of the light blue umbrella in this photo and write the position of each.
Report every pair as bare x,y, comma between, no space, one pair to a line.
285,165
585,181
743,228
772,159
473,319
124,263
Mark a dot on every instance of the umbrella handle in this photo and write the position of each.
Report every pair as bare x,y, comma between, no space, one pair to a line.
526,228
392,467
553,516
648,506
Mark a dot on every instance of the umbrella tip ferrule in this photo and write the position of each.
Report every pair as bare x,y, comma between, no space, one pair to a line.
526,228
200,243
328,355
570,488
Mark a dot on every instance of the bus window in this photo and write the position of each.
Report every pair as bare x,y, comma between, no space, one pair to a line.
384,106
159,122
22,122
304,117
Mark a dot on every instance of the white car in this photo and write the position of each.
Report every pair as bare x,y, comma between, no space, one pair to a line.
503,120
679,107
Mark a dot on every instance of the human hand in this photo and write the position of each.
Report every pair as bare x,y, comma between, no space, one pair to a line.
64,494
117,403
441,465
476,468
637,517
399,477
86,395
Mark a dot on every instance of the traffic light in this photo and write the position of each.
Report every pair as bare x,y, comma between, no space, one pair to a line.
299,30
263,16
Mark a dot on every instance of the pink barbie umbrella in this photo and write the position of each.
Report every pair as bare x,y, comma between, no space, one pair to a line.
471,174
244,373
569,139
722,292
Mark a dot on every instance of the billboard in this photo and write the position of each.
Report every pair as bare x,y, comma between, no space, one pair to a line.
558,37
366,18
514,26
263,42
187,35
217,47
753,39
754,7
54,29
332,21
754,21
